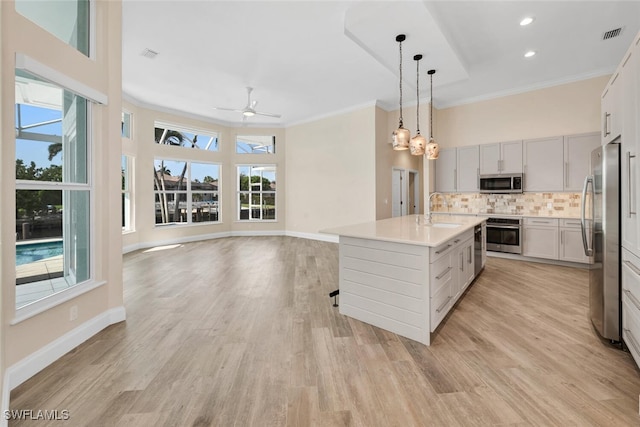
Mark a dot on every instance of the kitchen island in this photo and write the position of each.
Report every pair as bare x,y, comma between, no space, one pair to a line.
404,276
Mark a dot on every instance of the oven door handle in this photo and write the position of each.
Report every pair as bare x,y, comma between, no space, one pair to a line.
508,227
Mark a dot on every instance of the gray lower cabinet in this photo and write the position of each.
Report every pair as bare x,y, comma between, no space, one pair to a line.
540,238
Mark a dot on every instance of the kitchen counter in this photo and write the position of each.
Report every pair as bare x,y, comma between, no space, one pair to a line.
404,276
404,229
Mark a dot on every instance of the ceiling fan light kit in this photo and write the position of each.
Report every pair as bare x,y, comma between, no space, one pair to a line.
250,109
401,136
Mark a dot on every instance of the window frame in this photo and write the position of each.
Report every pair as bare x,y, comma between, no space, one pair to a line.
265,153
251,192
95,99
189,193
191,130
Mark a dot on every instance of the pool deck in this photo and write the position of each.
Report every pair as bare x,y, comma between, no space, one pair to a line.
39,279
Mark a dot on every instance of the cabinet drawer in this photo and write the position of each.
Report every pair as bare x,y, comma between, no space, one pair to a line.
631,329
570,223
545,222
440,272
440,251
631,279
440,305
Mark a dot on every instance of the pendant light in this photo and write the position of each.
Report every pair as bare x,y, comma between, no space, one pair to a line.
418,142
401,135
432,150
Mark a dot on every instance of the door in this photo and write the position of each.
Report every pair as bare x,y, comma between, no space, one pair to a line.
446,171
577,151
511,155
468,168
398,193
414,192
543,164
489,159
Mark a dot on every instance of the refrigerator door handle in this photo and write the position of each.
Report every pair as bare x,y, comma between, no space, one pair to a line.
589,179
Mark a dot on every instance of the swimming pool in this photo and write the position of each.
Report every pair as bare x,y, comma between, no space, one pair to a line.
30,252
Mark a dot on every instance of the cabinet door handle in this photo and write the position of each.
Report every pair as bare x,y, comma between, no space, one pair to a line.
444,304
455,179
607,120
629,185
444,273
632,340
633,298
461,261
633,267
478,175
562,237
541,222
566,174
442,250
469,259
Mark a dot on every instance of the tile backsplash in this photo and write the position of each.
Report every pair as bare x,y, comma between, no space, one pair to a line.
565,205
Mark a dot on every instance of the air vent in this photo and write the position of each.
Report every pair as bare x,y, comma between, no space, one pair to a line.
612,33
148,53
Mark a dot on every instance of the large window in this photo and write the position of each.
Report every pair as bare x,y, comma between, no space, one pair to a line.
53,191
255,144
256,192
186,191
188,138
69,20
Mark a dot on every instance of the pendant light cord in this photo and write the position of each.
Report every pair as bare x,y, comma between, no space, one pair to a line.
418,93
431,107
400,83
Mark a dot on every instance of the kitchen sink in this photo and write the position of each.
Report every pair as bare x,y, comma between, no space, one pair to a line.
444,225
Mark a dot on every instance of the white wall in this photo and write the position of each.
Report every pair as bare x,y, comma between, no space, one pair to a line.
559,110
331,172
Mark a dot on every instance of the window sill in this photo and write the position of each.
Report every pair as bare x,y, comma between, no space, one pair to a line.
37,307
254,221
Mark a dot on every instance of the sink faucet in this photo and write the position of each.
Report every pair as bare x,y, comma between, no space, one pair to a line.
428,207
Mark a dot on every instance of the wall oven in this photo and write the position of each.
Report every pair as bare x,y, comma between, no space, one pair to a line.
504,235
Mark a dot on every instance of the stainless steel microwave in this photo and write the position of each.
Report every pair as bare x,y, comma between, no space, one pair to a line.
504,183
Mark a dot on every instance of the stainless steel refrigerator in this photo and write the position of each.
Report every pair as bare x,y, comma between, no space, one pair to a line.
601,238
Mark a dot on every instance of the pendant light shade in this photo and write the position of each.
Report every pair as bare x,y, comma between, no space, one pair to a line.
401,136
418,143
432,149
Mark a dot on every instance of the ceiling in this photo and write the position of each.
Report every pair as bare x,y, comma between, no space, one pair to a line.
310,59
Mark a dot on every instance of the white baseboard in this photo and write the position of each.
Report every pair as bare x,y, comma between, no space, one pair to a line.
237,233
21,371
332,238
538,260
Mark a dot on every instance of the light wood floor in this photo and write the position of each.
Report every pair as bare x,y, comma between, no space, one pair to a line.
241,331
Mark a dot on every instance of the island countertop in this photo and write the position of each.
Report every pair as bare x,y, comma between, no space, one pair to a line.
405,229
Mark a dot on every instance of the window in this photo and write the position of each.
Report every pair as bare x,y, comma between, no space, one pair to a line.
256,193
186,192
256,144
126,125
68,20
188,138
127,173
53,191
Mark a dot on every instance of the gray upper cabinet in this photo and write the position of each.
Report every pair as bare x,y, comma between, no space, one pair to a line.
577,153
501,158
446,171
468,168
543,160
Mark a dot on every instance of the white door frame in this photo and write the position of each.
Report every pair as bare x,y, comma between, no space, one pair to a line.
403,203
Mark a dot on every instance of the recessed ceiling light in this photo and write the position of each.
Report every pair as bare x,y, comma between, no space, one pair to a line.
529,54
526,21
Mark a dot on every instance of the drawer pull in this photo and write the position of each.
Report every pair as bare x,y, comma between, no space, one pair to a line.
441,275
456,241
632,340
540,222
442,250
633,298
632,267
444,304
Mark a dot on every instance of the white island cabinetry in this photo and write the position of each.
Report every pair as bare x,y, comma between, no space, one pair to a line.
402,276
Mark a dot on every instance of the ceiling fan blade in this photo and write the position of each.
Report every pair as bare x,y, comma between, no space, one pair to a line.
228,109
268,114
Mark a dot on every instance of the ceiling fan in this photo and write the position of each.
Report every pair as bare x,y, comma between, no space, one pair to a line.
250,109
